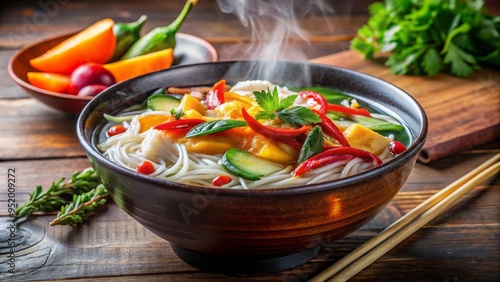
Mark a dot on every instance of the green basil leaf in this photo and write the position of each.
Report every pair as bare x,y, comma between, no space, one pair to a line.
210,127
312,146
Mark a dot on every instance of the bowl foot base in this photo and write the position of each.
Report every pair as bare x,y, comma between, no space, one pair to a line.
240,266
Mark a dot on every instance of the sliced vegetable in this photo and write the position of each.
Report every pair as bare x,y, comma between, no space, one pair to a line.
366,139
159,38
111,118
94,44
115,130
215,96
221,180
347,110
312,146
162,102
210,127
330,129
230,96
397,147
318,98
283,135
333,155
377,124
248,166
179,124
140,65
148,121
188,102
49,81
146,167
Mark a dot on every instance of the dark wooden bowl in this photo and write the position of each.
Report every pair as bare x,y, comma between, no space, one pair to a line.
190,49
253,231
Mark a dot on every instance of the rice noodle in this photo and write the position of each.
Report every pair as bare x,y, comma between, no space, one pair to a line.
172,161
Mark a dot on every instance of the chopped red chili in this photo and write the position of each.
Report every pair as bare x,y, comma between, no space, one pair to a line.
146,167
397,147
221,180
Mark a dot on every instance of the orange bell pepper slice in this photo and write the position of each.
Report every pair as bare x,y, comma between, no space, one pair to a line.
94,44
140,65
49,81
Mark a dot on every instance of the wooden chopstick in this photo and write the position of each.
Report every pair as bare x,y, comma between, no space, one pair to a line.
376,247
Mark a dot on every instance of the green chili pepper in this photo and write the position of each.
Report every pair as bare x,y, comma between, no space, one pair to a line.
159,38
126,35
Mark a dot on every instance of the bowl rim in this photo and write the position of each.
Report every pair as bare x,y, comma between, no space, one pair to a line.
410,153
211,49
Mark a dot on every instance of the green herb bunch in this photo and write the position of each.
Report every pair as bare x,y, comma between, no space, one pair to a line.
81,207
76,198
273,106
425,37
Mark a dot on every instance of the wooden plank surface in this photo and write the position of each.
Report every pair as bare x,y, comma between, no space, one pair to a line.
462,112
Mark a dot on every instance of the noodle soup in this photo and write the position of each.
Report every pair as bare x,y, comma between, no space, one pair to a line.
252,135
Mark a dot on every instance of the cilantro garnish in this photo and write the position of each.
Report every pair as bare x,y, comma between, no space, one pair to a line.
428,37
274,107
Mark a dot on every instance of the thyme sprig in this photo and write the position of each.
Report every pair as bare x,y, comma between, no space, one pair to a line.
81,207
59,194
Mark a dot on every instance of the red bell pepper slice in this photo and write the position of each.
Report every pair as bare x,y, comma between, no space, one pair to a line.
347,110
330,129
215,97
334,155
282,135
179,124
320,100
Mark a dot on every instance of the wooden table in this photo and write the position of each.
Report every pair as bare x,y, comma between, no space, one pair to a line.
38,145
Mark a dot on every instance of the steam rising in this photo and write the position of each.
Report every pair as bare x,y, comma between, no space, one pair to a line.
273,24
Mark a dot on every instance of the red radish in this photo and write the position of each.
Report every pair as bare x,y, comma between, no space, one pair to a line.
88,74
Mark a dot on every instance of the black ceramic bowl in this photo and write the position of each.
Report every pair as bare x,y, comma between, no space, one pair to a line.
253,231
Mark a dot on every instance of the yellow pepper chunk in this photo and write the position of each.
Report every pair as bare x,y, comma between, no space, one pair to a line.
189,102
208,145
269,150
366,139
229,110
193,114
230,96
149,121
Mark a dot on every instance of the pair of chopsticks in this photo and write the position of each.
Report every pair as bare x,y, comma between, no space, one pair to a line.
376,247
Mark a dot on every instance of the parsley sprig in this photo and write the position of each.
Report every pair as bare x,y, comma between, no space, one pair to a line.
428,37
274,107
